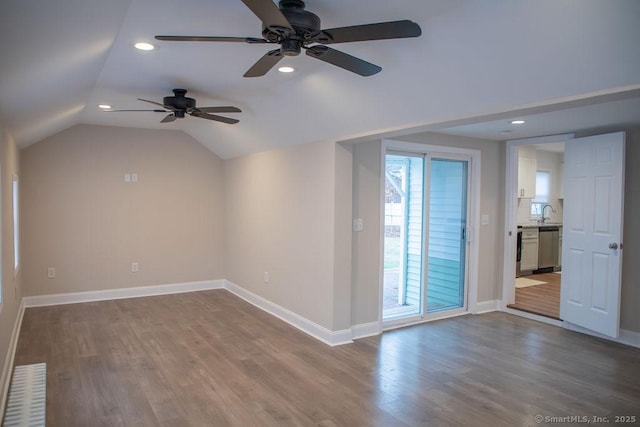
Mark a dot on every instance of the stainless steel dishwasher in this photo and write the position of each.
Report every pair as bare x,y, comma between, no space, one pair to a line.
548,240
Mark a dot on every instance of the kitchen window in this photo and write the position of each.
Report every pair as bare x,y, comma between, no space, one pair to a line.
543,188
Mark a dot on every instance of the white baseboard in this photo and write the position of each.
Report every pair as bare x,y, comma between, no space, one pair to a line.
319,332
486,306
364,330
7,369
120,293
626,337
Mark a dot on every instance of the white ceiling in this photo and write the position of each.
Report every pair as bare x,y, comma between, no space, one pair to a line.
60,58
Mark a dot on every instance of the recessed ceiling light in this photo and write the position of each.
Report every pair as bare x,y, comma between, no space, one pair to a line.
144,46
104,106
517,122
286,69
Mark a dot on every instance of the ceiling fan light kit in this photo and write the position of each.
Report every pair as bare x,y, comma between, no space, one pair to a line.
295,29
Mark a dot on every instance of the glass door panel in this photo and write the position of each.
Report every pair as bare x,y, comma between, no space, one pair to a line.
445,288
403,235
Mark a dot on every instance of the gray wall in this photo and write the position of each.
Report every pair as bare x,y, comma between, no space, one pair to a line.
280,209
81,217
367,244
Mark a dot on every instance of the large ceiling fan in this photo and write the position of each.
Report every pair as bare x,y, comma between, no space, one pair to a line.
294,28
180,105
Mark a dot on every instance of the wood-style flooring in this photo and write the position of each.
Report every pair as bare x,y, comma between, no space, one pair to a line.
211,359
540,299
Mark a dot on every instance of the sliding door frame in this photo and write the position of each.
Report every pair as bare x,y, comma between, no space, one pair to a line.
473,208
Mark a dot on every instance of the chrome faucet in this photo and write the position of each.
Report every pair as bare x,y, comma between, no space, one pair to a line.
543,208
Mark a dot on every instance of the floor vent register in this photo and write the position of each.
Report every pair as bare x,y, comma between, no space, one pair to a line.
27,397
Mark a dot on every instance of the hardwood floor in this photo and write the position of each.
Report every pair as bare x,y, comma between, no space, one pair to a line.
540,299
211,359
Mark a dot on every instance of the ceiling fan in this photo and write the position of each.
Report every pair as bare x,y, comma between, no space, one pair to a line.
294,28
179,105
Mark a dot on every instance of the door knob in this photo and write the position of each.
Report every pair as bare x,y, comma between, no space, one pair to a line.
613,246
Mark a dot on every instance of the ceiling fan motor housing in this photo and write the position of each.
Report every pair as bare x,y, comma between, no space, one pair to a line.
179,102
305,24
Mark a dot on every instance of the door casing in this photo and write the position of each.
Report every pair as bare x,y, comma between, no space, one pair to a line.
510,216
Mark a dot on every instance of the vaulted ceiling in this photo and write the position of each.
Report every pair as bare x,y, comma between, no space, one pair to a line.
59,59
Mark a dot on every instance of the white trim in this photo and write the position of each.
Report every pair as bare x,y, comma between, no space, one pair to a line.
364,330
111,294
627,337
5,380
319,332
15,223
486,306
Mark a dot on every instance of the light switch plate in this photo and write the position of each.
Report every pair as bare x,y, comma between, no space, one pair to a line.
484,219
358,225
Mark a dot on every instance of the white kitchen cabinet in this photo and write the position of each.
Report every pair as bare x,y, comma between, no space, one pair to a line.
527,165
529,259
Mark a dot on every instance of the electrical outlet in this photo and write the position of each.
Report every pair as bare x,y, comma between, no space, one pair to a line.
265,277
51,273
134,177
134,267
127,177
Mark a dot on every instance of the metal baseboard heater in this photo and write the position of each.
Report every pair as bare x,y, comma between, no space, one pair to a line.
26,405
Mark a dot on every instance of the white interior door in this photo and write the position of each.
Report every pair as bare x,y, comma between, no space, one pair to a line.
591,251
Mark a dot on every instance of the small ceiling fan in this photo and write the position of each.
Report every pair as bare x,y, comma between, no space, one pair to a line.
294,28
179,105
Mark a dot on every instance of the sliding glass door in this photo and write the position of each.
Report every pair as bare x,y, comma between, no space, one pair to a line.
424,234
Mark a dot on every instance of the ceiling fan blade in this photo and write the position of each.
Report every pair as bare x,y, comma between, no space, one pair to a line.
155,103
251,40
119,111
170,118
219,109
343,60
214,118
270,15
379,31
264,64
